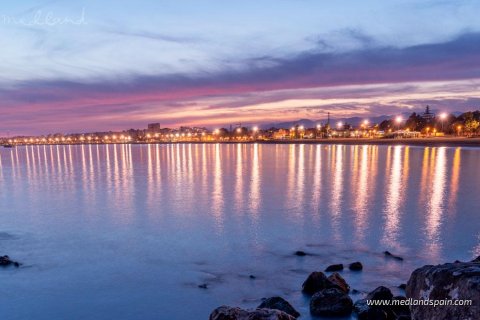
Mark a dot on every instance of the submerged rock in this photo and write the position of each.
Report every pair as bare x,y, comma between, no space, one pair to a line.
278,303
337,279
316,282
355,266
389,254
331,302
450,281
5,261
334,267
300,253
203,286
232,313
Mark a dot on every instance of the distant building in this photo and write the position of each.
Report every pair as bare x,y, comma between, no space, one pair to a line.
153,127
428,116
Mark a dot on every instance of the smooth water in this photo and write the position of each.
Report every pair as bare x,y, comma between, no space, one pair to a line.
129,232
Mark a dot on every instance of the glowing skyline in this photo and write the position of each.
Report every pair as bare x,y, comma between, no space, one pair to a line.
113,65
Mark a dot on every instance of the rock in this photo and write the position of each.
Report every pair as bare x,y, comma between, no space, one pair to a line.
337,279
331,302
5,261
477,259
334,267
252,277
203,286
389,254
399,309
278,303
402,286
366,312
355,266
231,313
447,281
300,253
317,281
380,293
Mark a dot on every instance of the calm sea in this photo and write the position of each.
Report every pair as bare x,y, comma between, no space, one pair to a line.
130,232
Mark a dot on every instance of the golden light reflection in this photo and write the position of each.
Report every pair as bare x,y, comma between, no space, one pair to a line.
394,198
435,207
317,182
362,191
239,178
217,194
454,180
337,190
255,197
290,199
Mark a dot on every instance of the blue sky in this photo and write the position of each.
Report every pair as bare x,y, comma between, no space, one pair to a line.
94,65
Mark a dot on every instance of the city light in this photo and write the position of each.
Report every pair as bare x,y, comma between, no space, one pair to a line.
443,116
398,119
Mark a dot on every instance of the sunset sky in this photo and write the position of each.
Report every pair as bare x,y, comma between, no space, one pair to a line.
108,65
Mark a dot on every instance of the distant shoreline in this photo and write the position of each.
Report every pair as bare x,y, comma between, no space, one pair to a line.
425,142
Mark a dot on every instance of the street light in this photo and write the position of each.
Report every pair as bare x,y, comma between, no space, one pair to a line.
398,120
443,116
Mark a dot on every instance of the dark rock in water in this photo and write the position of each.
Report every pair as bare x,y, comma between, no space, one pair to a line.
403,286
300,253
279,303
457,261
252,276
399,309
366,312
355,266
231,313
339,281
334,267
477,259
331,302
203,286
380,293
389,254
355,291
5,261
317,281
447,281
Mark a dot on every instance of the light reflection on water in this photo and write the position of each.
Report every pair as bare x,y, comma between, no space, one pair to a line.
193,213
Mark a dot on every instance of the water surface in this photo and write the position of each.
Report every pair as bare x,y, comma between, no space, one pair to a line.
129,232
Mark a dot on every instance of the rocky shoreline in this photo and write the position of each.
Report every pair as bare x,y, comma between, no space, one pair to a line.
329,296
